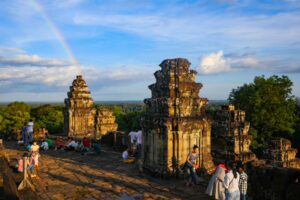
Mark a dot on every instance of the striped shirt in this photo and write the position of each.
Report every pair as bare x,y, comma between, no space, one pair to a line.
243,183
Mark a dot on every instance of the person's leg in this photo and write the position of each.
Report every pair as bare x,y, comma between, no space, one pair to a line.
194,175
30,136
236,195
243,197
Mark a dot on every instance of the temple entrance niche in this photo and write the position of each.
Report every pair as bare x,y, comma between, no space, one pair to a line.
175,120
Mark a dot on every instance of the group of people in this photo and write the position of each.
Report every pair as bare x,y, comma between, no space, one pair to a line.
229,182
86,146
134,146
32,160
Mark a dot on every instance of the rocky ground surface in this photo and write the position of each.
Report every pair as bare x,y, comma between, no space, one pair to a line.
70,175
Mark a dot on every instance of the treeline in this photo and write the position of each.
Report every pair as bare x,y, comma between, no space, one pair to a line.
50,116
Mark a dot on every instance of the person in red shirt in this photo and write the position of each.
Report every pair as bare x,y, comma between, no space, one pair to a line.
87,142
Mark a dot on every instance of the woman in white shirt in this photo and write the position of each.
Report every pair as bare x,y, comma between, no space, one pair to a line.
231,183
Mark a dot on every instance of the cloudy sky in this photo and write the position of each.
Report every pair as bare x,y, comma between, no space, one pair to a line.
118,44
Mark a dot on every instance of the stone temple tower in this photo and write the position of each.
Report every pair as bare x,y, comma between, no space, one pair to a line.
175,120
79,113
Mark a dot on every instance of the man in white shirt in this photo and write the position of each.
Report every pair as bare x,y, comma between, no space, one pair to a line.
132,136
72,145
138,136
30,130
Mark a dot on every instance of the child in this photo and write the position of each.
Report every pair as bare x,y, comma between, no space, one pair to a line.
243,182
44,145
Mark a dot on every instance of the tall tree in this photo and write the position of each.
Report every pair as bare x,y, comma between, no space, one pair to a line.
269,105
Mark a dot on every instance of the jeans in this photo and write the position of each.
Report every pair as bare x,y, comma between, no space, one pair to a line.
30,134
243,197
233,195
191,171
31,168
24,137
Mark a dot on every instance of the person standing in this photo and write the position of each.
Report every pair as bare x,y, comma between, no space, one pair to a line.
243,182
215,187
139,136
24,135
30,130
231,183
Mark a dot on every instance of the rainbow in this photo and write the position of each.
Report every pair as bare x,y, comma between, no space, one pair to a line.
58,35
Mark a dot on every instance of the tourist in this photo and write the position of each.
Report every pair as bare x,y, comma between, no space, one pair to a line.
71,146
44,145
50,143
34,148
35,157
125,155
33,164
87,144
29,146
97,147
215,186
24,134
30,130
59,143
132,137
191,166
20,163
138,136
243,182
231,182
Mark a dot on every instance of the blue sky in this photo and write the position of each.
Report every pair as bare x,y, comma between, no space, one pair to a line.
120,43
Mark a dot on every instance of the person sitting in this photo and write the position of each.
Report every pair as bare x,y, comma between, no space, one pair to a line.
20,142
71,146
34,148
69,140
87,142
44,145
50,143
29,146
59,143
125,155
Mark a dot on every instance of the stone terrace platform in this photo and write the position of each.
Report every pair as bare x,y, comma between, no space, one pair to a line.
69,175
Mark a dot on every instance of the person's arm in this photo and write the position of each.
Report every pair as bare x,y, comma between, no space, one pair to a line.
227,180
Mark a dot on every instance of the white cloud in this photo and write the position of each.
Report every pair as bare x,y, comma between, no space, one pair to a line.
214,63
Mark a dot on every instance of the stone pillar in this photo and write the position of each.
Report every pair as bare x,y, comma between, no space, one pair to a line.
175,120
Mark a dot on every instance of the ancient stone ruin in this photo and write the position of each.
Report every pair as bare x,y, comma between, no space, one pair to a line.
105,121
281,154
231,138
79,110
175,120
80,115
